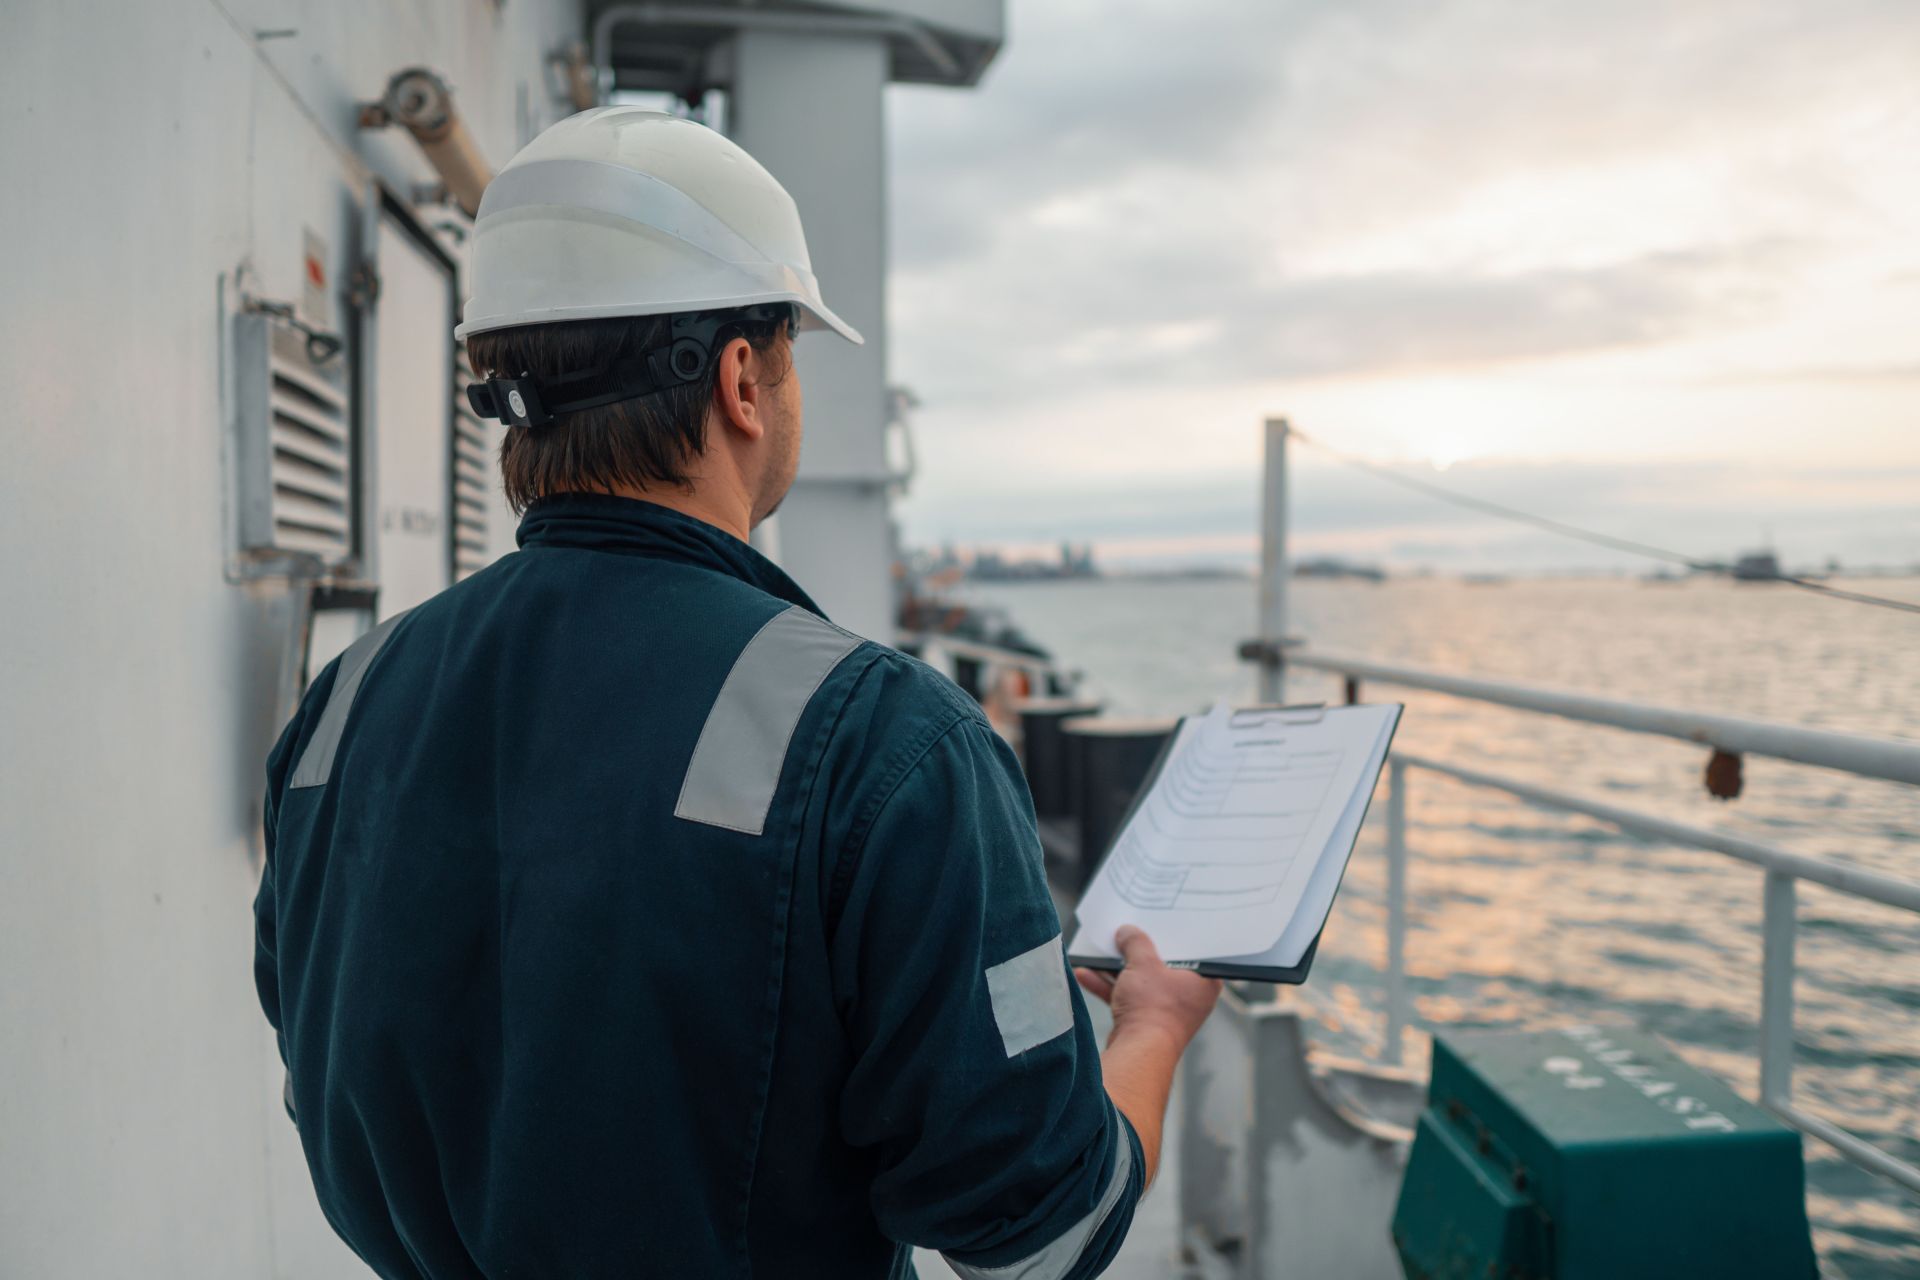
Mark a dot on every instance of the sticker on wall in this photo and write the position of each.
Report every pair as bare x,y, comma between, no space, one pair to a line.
316,300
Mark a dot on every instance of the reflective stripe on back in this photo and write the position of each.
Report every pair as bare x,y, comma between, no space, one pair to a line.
316,761
736,764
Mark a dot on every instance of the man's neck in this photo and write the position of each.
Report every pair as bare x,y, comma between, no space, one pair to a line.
724,512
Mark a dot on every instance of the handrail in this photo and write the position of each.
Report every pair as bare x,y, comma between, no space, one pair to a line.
1858,881
1893,759
1779,928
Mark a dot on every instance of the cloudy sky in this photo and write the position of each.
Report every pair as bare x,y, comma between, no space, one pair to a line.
1651,265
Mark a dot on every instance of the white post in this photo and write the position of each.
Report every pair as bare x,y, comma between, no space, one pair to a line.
1271,680
1776,990
1396,908
810,106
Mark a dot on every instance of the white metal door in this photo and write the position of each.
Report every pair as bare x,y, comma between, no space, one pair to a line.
413,420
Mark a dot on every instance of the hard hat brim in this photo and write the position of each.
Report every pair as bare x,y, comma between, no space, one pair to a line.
813,315
828,320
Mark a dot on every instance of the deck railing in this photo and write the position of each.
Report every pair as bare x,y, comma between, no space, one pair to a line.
1885,758
1730,737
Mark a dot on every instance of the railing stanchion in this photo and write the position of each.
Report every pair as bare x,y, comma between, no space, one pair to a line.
1270,679
1396,908
1777,928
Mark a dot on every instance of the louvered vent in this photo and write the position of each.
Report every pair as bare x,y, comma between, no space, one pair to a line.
470,476
296,444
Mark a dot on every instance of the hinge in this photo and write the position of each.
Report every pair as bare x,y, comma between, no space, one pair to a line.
363,286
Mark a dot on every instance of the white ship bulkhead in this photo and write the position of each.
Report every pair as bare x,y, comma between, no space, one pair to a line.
174,167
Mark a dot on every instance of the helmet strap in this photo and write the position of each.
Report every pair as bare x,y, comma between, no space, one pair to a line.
694,342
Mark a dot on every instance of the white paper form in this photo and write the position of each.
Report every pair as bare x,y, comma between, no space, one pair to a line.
1311,914
1225,851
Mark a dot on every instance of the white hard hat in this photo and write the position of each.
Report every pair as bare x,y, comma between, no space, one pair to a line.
625,212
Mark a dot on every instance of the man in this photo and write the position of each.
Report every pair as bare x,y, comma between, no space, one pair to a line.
623,916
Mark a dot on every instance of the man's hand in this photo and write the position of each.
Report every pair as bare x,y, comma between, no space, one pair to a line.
1156,1011
1149,995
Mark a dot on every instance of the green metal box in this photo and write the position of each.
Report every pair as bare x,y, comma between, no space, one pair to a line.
1595,1154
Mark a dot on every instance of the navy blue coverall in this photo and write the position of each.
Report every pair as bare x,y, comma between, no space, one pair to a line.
623,917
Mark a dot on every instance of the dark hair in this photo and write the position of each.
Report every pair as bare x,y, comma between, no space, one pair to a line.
642,443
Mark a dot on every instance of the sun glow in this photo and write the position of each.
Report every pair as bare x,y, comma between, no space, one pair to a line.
1444,448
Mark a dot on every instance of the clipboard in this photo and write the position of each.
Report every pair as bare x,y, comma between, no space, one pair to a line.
1292,975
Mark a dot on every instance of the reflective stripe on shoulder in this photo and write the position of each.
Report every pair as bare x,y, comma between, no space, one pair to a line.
1060,1258
736,764
1031,1003
316,761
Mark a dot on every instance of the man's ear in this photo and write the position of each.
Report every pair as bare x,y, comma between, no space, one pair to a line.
739,389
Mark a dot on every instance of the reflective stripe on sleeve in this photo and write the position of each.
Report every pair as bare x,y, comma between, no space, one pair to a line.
737,761
1031,1003
1059,1258
316,761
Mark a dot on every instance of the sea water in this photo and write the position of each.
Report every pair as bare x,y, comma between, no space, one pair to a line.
1519,916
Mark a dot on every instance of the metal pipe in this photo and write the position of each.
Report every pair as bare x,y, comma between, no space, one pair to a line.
1777,929
1858,1150
1396,907
1890,758
420,100
1858,881
829,24
1271,678
583,86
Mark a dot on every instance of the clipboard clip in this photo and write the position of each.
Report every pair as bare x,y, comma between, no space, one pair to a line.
1274,713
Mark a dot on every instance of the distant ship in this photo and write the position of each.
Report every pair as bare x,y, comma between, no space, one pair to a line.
1756,566
1328,567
